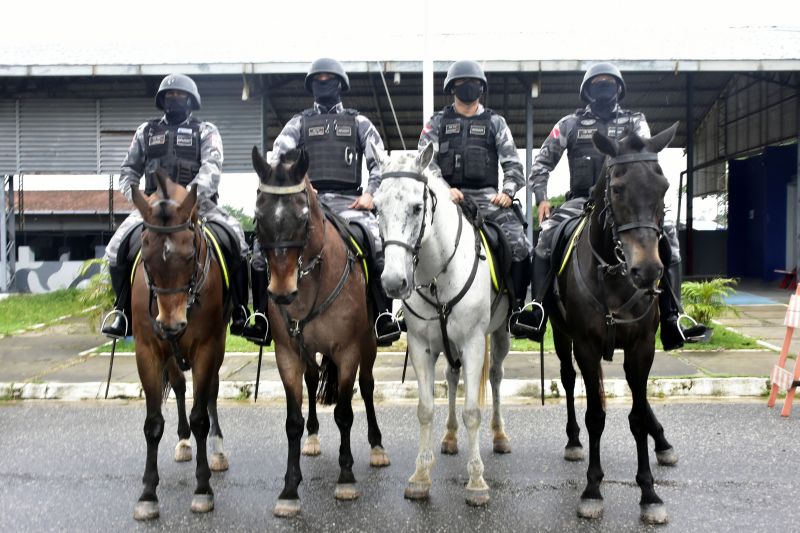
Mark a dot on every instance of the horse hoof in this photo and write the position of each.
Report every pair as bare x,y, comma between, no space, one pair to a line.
346,491
312,446
202,503
667,457
450,447
654,513
477,498
378,457
590,508
145,511
287,508
417,491
183,451
574,453
219,463
502,445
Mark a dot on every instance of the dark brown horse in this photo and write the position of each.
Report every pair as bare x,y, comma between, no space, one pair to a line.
179,319
317,293
608,291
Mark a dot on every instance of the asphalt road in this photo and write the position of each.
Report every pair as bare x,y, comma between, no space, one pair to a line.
78,467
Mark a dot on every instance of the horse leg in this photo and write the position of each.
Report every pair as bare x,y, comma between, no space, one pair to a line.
665,453
343,415
183,450
653,510
202,377
573,451
312,444
151,375
477,490
419,484
591,502
500,345
366,384
450,439
219,461
291,372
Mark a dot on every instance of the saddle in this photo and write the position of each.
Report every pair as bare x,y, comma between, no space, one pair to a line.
497,247
562,239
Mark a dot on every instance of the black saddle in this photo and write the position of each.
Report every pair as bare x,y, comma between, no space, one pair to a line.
499,246
561,237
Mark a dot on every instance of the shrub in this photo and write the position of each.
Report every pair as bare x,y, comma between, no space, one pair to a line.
705,300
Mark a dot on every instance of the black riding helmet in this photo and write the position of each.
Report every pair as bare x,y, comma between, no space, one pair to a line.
331,66
178,82
464,69
599,69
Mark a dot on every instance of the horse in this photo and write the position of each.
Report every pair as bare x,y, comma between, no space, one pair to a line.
435,265
179,318
606,299
317,294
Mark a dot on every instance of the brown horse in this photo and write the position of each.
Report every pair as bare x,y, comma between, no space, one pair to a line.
317,293
179,319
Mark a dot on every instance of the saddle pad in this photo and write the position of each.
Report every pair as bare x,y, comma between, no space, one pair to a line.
355,236
498,255
564,240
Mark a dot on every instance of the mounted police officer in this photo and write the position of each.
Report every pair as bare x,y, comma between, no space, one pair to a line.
602,89
335,139
470,141
190,151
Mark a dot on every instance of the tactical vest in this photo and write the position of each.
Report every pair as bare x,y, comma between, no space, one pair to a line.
467,150
585,162
331,141
174,148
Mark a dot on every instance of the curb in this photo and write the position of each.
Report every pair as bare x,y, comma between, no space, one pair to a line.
517,389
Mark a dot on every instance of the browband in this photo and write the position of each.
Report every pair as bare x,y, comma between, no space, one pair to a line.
402,174
632,158
285,189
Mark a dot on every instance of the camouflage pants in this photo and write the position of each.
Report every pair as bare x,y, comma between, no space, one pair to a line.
509,222
207,209
574,207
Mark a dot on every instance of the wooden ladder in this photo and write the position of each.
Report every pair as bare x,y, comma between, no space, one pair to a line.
780,377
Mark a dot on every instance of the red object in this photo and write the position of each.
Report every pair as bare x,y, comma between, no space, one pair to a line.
779,376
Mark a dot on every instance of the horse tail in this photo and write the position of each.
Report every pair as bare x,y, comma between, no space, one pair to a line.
165,385
328,390
484,374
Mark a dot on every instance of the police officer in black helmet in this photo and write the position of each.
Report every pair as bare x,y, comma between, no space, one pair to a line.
190,151
470,142
602,89
335,138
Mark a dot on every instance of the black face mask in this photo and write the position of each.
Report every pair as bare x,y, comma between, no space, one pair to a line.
603,95
176,109
327,92
468,92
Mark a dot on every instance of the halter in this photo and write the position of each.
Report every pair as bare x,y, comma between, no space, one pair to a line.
426,190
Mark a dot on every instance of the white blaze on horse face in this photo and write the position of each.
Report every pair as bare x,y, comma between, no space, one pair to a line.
398,223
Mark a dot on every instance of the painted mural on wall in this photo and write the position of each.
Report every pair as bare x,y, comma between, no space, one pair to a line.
45,276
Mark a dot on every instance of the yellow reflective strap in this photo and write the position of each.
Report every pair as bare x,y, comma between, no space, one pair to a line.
363,259
220,257
136,264
572,242
490,260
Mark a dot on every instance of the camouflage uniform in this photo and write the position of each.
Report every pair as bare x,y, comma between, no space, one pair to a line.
513,178
207,182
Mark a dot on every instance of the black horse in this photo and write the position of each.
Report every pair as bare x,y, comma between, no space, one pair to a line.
606,299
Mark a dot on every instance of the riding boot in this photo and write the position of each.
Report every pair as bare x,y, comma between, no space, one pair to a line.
387,329
669,305
257,330
523,320
239,299
121,325
537,318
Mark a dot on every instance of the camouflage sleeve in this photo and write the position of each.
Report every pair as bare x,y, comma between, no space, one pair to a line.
430,134
548,157
640,126
513,174
207,179
366,133
288,139
133,165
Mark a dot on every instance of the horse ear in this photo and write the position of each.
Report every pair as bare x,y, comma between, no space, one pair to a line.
604,145
260,165
377,152
425,157
662,140
163,180
140,202
300,166
188,204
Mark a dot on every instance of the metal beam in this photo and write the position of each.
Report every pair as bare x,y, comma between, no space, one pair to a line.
689,252
529,161
379,110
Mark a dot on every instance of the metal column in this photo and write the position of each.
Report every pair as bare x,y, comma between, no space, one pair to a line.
8,250
688,253
529,161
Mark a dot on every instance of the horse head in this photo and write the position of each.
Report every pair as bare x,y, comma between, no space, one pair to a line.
283,219
405,204
631,192
169,249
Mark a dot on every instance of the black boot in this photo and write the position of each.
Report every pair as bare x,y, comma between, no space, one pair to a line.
387,329
257,330
672,334
523,320
239,297
531,321
121,325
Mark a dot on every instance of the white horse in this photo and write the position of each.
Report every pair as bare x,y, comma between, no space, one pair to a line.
434,262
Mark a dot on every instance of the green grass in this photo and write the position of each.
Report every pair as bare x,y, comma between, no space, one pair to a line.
24,310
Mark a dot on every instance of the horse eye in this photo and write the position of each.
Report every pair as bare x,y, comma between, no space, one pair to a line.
618,189
417,209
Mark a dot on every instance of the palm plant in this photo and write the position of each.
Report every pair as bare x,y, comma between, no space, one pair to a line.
98,292
705,300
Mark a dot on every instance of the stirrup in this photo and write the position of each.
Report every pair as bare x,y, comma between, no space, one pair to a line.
528,330
391,336
695,324
261,341
114,313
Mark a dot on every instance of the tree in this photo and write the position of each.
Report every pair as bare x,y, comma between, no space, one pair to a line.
238,213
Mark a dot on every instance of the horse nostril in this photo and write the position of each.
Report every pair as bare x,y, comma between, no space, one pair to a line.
403,284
